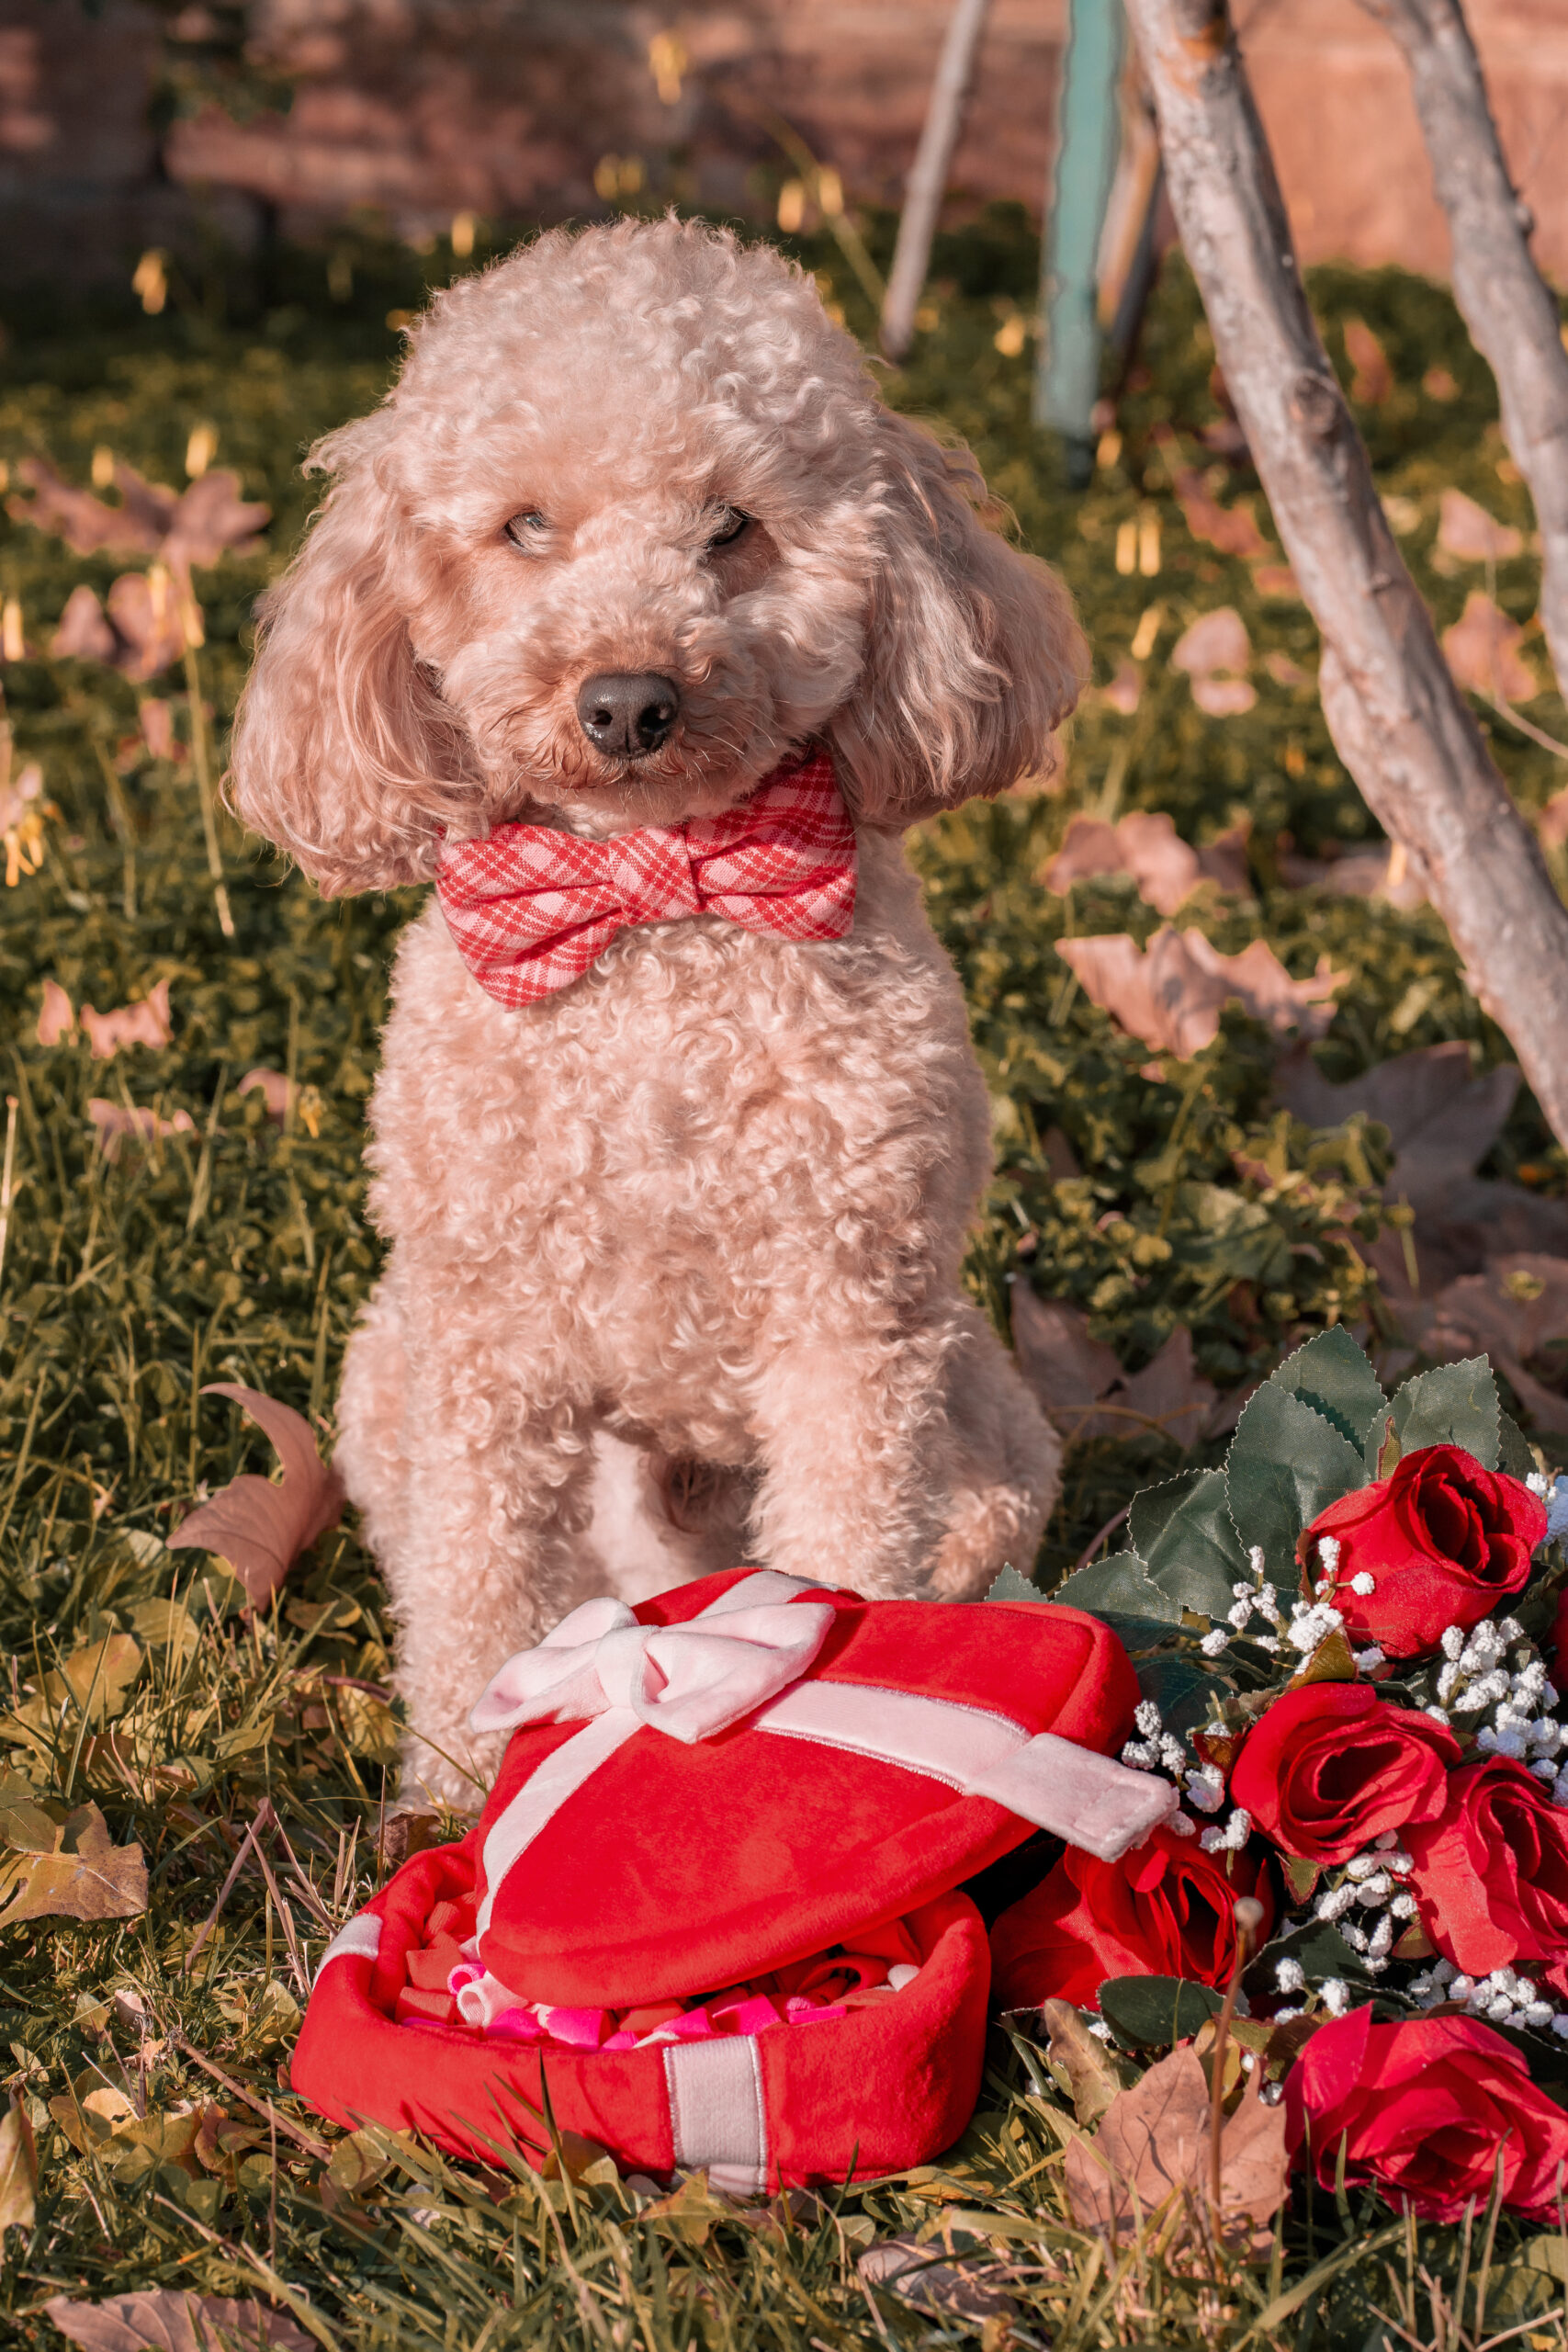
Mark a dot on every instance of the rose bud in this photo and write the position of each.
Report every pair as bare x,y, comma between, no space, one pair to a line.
1328,1768
1441,1543
1490,1877
1426,2110
1165,1909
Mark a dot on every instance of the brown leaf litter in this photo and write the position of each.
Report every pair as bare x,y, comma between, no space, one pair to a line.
258,1527
1171,995
1147,2166
1146,845
1083,1390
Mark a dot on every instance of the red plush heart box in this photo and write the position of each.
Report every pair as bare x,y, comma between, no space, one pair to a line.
869,1757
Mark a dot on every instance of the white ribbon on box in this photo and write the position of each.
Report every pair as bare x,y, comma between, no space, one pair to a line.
601,1667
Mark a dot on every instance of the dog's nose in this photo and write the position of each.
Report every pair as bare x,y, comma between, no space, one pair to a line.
628,715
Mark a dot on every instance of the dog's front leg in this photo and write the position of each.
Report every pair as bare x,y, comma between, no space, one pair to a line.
845,1428
482,1567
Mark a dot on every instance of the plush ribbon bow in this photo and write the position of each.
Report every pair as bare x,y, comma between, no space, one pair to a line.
533,907
691,1680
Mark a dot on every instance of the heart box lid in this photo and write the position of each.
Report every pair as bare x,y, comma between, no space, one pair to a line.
744,1770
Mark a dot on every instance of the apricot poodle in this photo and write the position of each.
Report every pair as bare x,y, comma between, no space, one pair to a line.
673,1245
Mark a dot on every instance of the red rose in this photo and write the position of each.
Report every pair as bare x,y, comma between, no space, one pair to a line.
1165,1909
1328,1768
1491,1872
1443,1540
1424,2111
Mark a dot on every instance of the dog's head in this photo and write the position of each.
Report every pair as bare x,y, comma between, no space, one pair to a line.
631,526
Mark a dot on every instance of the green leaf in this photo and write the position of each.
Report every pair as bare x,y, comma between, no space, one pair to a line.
1515,1453
1332,1375
1181,1689
1456,1405
1321,1949
1156,2012
1286,1464
1140,1635
1120,1583
1010,1586
1183,1534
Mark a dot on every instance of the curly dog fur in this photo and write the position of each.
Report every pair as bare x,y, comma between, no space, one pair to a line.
707,1204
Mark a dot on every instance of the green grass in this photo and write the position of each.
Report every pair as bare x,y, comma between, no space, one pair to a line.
235,1249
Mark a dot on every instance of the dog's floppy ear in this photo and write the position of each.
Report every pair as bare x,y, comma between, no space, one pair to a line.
345,753
973,657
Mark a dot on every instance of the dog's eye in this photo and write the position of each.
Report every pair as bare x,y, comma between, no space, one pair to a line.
526,530
732,526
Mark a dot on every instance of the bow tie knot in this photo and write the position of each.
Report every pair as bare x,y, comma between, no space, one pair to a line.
691,1680
652,875
531,908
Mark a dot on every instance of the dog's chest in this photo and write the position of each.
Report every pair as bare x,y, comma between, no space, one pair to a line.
695,1064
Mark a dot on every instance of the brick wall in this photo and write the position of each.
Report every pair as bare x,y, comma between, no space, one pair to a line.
422,108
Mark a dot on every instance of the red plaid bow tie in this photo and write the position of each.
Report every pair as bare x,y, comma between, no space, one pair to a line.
531,908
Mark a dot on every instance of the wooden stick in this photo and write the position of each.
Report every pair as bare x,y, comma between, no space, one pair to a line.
202,764
1509,309
262,2107
928,175
6,1175
1248,1919
1398,721
265,1818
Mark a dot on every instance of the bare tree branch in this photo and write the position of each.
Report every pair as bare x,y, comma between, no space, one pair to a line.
928,175
1399,721
1509,309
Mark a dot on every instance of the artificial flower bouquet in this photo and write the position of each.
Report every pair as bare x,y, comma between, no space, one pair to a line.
1345,1639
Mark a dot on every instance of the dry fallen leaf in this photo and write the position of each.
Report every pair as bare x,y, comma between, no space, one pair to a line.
1215,652
83,633
1217,642
1067,1370
144,1023
1080,1384
56,1020
927,2279
1481,650
1390,873
1170,995
18,2170
259,1528
148,618
1467,530
114,1123
1147,846
1231,529
1374,381
157,718
1169,1391
1149,2161
1441,1120
1552,822
1094,2076
1161,996
274,1090
142,632
167,2319
1278,579
193,526
1284,671
84,1875
1125,690
1516,1312
211,518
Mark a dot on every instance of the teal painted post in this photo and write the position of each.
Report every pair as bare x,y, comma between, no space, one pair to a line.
1089,135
